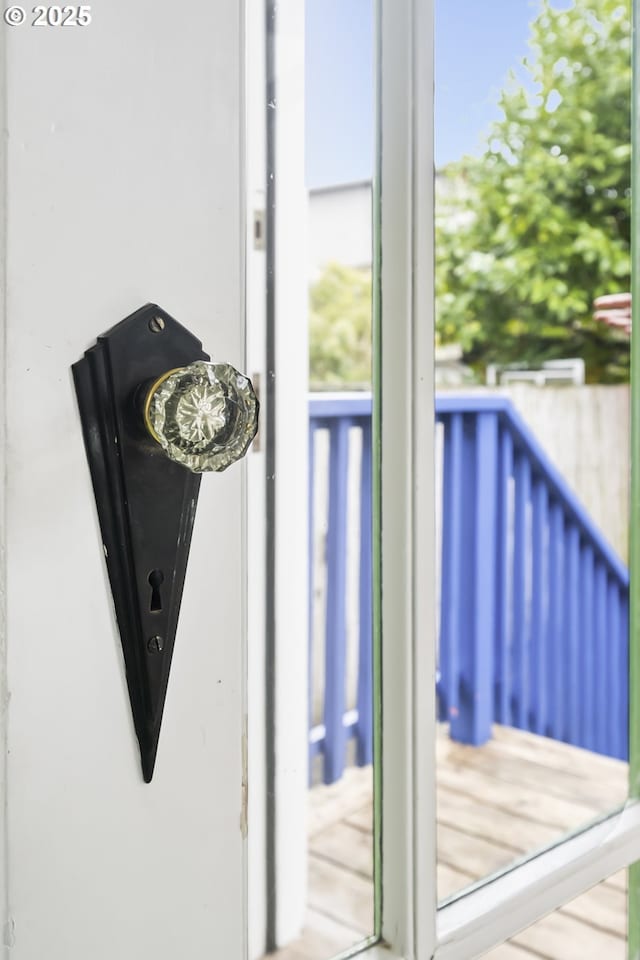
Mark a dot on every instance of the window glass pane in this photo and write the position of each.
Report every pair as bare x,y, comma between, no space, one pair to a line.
517,793
590,927
532,456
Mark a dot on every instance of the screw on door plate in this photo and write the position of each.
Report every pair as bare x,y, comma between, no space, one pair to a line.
155,644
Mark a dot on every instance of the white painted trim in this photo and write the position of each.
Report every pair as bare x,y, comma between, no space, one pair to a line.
292,428
408,541
5,920
501,908
255,284
423,521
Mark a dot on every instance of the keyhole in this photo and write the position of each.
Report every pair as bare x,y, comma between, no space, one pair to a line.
156,578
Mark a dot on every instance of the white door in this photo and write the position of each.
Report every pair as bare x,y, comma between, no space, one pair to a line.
122,184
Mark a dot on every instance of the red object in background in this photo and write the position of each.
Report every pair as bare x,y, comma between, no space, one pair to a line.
614,309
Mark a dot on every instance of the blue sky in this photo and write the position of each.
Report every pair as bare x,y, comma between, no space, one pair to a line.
476,41
339,91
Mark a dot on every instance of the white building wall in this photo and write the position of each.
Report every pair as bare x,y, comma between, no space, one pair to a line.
340,227
340,222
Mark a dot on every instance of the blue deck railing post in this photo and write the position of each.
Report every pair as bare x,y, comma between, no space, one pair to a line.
451,587
539,697
365,638
556,622
336,632
311,487
571,645
623,679
586,652
475,716
617,668
602,657
521,591
503,595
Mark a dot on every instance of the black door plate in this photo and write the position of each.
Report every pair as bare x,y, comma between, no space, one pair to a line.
146,503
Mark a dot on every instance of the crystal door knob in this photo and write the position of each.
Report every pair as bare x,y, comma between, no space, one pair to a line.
204,416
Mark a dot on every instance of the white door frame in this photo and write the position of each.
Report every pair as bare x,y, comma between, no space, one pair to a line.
289,378
278,481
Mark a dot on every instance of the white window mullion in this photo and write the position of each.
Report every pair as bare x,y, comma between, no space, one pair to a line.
423,519
408,623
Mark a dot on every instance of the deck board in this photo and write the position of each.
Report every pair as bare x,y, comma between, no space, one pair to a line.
496,804
339,893
343,841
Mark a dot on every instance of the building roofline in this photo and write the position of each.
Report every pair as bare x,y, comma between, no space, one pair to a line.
338,187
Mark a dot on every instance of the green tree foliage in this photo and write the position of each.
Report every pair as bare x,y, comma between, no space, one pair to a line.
529,233
340,328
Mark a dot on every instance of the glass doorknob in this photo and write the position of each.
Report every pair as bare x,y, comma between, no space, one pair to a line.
204,415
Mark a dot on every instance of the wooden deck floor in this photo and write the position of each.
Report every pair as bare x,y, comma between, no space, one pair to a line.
495,804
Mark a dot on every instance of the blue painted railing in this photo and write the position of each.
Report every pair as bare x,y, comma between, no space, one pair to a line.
533,600
341,416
